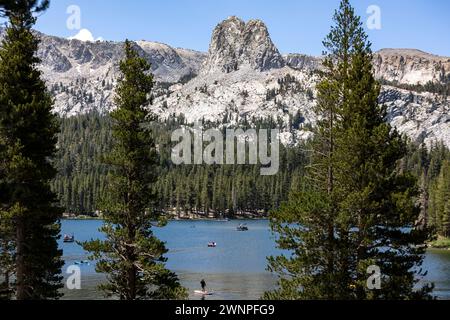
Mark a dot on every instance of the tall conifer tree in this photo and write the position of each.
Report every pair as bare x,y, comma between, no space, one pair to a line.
442,200
132,256
28,136
355,210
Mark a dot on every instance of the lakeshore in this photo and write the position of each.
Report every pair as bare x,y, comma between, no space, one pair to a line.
441,243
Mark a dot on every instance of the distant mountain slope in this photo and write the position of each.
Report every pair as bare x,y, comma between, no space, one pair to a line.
243,76
410,66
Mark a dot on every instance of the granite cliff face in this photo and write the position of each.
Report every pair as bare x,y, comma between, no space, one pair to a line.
408,66
169,64
243,76
82,75
303,62
236,45
423,117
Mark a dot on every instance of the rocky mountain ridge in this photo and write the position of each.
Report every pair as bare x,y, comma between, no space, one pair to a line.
243,76
236,44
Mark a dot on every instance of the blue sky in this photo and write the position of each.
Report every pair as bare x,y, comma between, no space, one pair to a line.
295,25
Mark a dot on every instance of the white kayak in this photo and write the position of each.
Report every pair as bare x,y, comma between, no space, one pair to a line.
203,293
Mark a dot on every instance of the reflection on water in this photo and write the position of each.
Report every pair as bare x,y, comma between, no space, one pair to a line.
235,269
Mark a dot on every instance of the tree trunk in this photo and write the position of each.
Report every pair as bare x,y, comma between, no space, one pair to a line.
21,292
131,256
132,283
330,189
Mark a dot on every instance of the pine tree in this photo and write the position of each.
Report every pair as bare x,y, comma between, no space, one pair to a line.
442,200
6,236
379,202
306,223
204,196
131,256
355,210
28,130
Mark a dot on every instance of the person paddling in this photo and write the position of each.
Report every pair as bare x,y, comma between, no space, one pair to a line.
203,284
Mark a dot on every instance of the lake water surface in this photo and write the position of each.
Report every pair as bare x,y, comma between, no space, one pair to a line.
235,269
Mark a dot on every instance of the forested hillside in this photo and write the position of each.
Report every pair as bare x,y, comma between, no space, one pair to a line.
203,189
81,174
222,191
432,168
